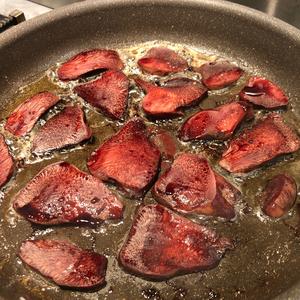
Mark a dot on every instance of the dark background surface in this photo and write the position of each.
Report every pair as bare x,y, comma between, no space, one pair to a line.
286,10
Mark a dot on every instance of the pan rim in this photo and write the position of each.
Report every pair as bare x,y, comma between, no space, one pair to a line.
22,29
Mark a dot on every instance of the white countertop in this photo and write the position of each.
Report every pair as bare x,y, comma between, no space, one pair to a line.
30,9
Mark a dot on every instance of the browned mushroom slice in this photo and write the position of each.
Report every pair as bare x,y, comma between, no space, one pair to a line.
219,74
164,141
162,244
162,61
65,263
226,198
128,158
6,162
263,92
170,99
61,193
109,93
279,195
87,61
23,118
64,129
191,186
268,139
219,123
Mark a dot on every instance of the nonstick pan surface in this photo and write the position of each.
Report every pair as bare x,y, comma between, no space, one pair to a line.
266,262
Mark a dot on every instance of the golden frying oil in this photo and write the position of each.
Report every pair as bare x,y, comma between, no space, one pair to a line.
266,257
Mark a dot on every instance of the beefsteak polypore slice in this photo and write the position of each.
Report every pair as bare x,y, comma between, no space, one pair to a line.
23,118
263,92
65,263
218,123
170,99
6,162
279,195
61,193
191,186
109,93
165,142
162,244
219,74
87,61
162,61
128,158
266,140
64,129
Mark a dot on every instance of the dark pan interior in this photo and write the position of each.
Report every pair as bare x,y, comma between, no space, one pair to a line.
267,46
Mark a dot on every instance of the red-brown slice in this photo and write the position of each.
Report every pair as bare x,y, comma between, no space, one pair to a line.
65,263
219,123
109,93
164,141
128,158
88,61
170,99
6,162
268,139
64,129
61,193
23,118
191,186
263,92
226,198
219,74
162,244
162,61
279,195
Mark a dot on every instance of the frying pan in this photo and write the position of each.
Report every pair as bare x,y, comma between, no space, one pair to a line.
266,262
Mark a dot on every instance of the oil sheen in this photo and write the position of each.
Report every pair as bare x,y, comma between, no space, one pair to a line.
266,256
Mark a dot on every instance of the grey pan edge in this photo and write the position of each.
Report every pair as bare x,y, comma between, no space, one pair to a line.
36,44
